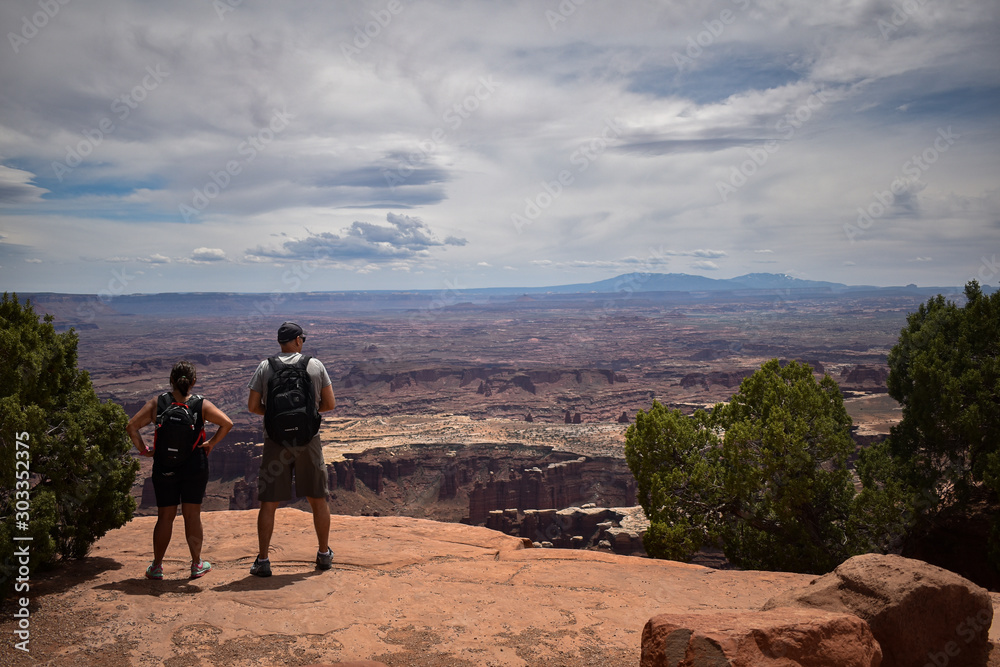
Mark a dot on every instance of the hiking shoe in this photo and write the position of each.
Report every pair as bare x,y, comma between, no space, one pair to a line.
154,572
200,569
324,561
260,568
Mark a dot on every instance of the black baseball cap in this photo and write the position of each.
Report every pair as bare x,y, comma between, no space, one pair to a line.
289,331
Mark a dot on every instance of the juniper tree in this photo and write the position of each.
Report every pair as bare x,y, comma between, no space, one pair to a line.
765,475
945,372
72,472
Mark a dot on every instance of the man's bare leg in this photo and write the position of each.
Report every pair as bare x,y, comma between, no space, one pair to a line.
265,527
321,521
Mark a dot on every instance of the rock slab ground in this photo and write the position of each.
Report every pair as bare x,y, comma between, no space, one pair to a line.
402,591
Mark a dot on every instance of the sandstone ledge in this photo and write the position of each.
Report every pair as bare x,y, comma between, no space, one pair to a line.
402,591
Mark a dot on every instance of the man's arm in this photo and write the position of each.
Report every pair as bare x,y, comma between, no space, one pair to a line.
253,403
327,401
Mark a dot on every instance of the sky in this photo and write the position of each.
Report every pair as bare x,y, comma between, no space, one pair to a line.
251,146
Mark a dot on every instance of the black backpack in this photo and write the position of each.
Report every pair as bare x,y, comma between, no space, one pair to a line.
291,416
179,429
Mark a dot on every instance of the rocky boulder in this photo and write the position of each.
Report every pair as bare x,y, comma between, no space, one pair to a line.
920,614
779,637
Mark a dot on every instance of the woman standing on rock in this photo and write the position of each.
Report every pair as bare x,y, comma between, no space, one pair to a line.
180,461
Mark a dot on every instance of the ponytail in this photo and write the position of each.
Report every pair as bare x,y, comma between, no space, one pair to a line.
183,376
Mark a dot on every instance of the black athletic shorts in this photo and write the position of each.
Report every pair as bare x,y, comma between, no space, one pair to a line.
184,484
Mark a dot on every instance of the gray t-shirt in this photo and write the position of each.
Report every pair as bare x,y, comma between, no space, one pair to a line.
315,369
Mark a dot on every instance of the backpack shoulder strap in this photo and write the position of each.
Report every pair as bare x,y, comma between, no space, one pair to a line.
195,403
303,362
275,363
163,401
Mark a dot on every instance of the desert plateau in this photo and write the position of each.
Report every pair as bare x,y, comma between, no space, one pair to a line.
470,431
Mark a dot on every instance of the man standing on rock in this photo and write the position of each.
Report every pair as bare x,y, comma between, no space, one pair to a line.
290,391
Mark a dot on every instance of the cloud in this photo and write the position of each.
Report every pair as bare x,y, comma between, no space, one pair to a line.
405,237
156,259
591,122
705,265
658,258
208,255
16,187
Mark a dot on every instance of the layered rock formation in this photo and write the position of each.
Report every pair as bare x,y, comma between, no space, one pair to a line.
455,482
560,484
618,529
864,378
391,387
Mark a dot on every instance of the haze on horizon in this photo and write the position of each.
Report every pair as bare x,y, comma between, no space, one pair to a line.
237,145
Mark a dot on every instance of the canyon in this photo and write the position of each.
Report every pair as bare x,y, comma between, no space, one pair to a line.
468,432
481,407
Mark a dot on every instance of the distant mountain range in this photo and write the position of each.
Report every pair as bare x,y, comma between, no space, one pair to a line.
75,308
683,282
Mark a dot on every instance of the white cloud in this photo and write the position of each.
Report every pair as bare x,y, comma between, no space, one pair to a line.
705,265
208,255
157,258
446,134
